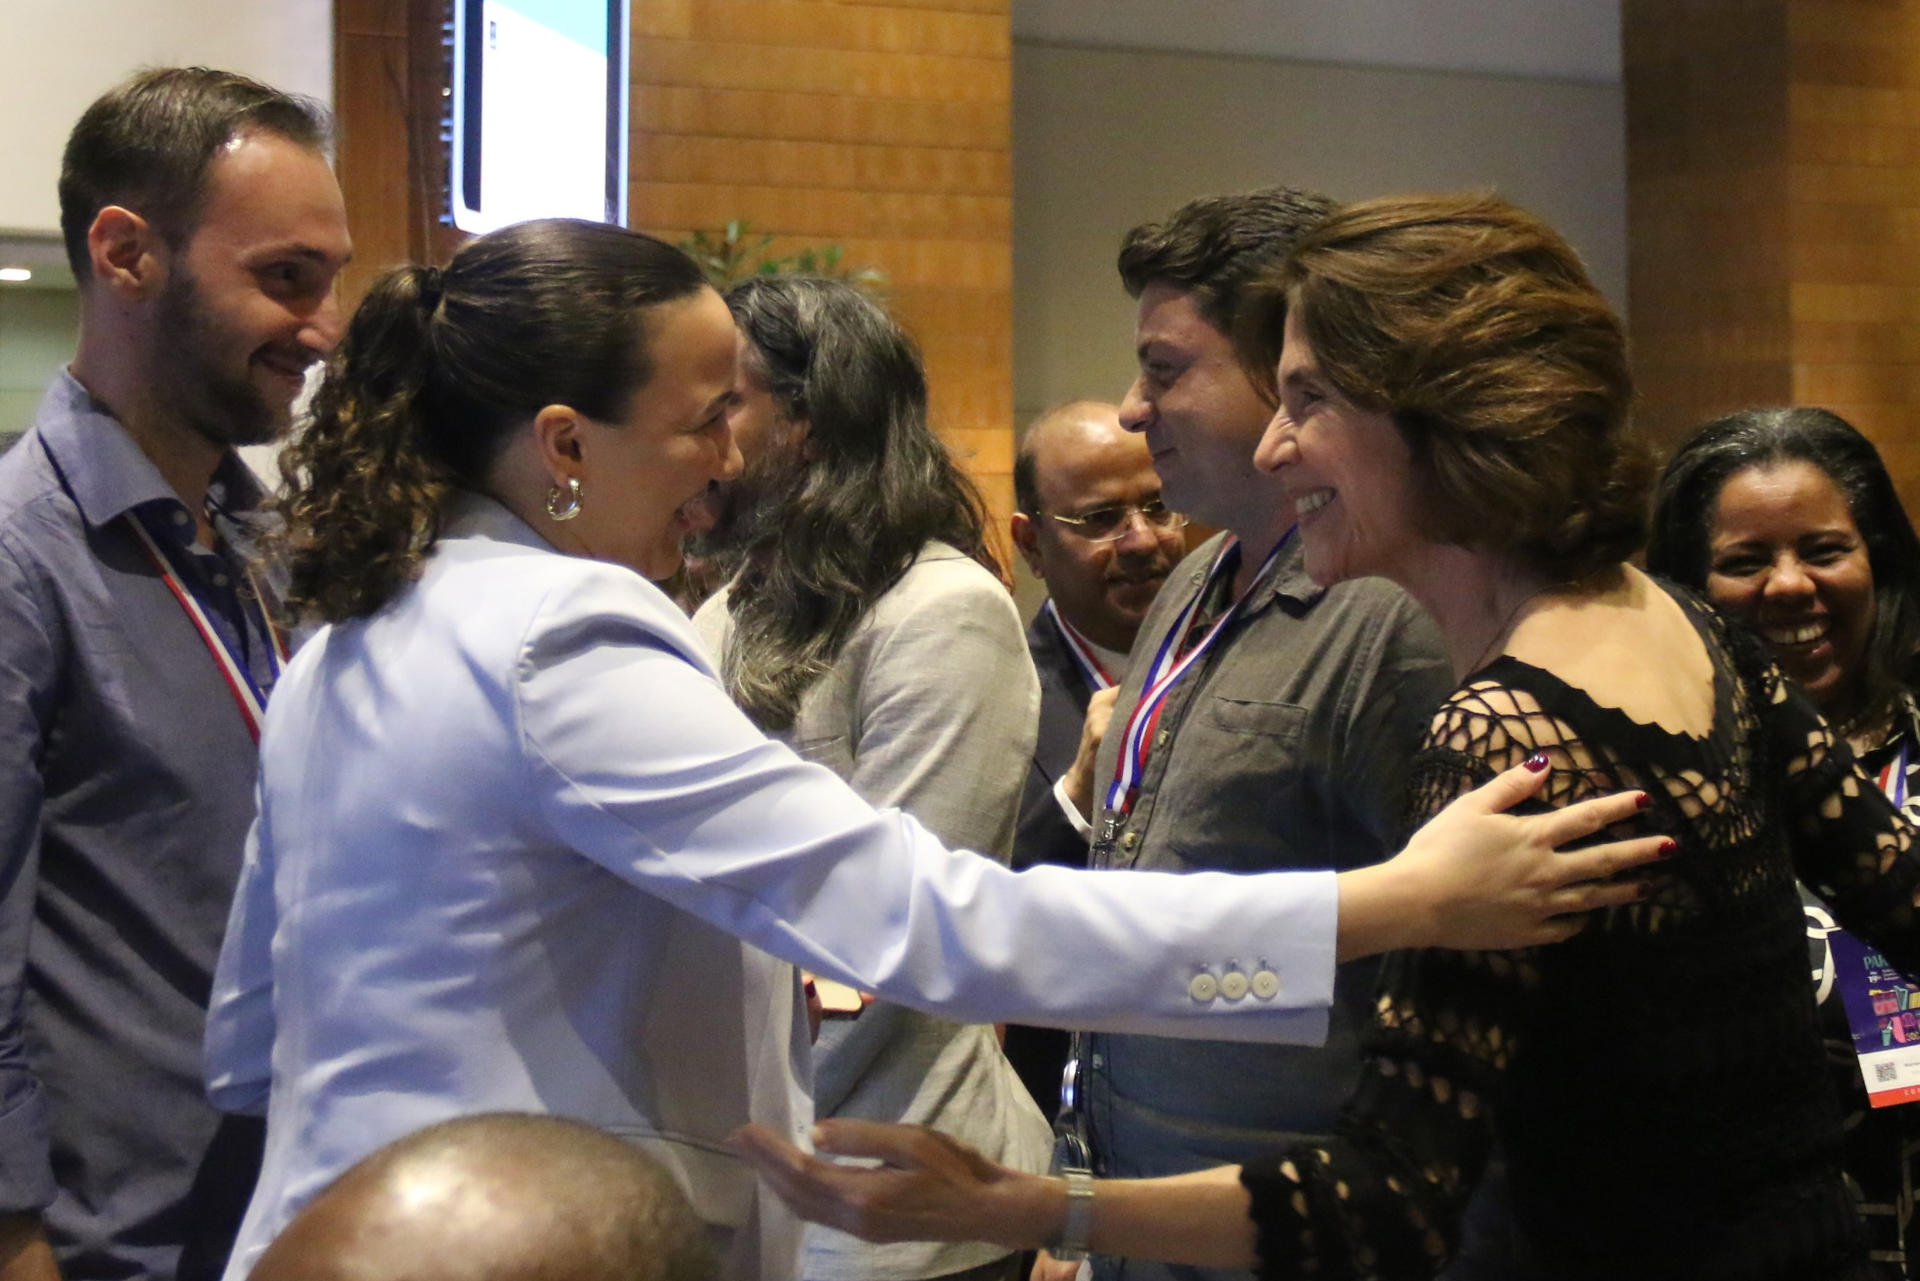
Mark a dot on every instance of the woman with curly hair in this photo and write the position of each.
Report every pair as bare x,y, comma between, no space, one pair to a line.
1453,396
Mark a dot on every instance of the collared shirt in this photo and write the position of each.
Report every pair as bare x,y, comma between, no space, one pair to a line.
126,788
1286,745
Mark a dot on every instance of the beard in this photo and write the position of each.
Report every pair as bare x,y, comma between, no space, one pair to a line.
193,380
744,508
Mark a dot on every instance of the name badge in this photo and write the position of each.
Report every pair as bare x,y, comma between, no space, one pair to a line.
1883,1013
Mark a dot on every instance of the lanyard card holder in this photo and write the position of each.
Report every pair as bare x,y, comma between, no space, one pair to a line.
1883,1013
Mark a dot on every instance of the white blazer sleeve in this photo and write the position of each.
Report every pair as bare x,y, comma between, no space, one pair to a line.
641,762
240,1019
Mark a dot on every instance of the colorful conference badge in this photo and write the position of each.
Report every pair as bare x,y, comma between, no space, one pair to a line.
1882,1004
1165,671
247,695
1081,649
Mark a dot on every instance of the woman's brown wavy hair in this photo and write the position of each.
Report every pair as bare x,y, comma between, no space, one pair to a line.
438,370
1474,325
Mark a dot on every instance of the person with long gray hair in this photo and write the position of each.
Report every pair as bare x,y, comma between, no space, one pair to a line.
845,483
867,627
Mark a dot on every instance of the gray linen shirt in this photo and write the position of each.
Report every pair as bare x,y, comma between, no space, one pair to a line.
126,790
1284,747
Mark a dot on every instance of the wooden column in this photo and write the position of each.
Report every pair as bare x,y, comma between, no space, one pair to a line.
1774,212
390,67
883,126
879,125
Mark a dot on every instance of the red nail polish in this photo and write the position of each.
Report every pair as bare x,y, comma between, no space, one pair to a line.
1536,762
1642,801
1668,848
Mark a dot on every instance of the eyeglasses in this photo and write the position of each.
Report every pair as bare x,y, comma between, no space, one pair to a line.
1105,524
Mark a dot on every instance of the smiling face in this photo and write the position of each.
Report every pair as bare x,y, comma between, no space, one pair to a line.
1786,557
1200,415
1346,471
248,301
1082,465
644,479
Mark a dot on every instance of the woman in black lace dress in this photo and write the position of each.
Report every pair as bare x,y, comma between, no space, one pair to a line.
1787,520
1453,415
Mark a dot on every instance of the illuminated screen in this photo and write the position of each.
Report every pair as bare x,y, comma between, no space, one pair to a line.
539,111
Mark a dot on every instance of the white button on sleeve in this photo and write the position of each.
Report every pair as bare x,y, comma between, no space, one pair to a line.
1266,985
1233,985
1203,988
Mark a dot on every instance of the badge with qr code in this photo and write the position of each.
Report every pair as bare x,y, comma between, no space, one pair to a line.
1883,1011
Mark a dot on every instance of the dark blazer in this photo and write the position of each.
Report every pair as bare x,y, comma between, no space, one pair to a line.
1044,834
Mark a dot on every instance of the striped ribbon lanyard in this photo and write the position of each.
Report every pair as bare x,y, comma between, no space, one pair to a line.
1893,776
1170,664
247,694
1081,649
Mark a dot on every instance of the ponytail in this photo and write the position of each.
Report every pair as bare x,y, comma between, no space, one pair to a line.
440,370
364,490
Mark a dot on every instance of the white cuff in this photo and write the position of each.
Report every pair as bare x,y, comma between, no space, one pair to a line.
1072,811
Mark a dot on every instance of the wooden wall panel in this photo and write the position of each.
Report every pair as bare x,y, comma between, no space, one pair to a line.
1854,197
1708,234
390,71
681,110
1789,192
883,126
880,125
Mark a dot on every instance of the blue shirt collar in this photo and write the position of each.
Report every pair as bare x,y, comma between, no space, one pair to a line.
107,472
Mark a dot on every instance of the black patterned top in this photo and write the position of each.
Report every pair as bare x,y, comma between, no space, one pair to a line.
1657,1081
1882,1145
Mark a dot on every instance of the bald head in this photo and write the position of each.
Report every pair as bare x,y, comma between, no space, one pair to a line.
1076,460
496,1198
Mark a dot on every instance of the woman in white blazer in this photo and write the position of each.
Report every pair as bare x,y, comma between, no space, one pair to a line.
517,850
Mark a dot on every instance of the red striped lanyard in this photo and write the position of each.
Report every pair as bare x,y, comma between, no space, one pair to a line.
247,695
1893,776
1170,664
1081,650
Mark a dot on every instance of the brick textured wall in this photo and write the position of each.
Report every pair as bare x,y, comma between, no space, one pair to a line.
1774,212
883,126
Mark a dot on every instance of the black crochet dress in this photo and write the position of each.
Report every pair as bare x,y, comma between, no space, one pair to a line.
1658,1081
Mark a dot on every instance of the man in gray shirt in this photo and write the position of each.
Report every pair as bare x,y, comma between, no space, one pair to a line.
1264,722
205,229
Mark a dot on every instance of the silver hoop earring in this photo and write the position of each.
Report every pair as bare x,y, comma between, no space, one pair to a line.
556,509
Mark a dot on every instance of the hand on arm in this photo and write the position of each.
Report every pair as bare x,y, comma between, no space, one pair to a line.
1475,877
24,1254
1077,783
1048,1268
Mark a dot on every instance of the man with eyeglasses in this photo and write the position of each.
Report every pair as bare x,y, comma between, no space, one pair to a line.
1090,523
1264,722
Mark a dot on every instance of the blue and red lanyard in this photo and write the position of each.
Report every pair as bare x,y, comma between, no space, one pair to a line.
1172,661
1080,649
248,694
1893,776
